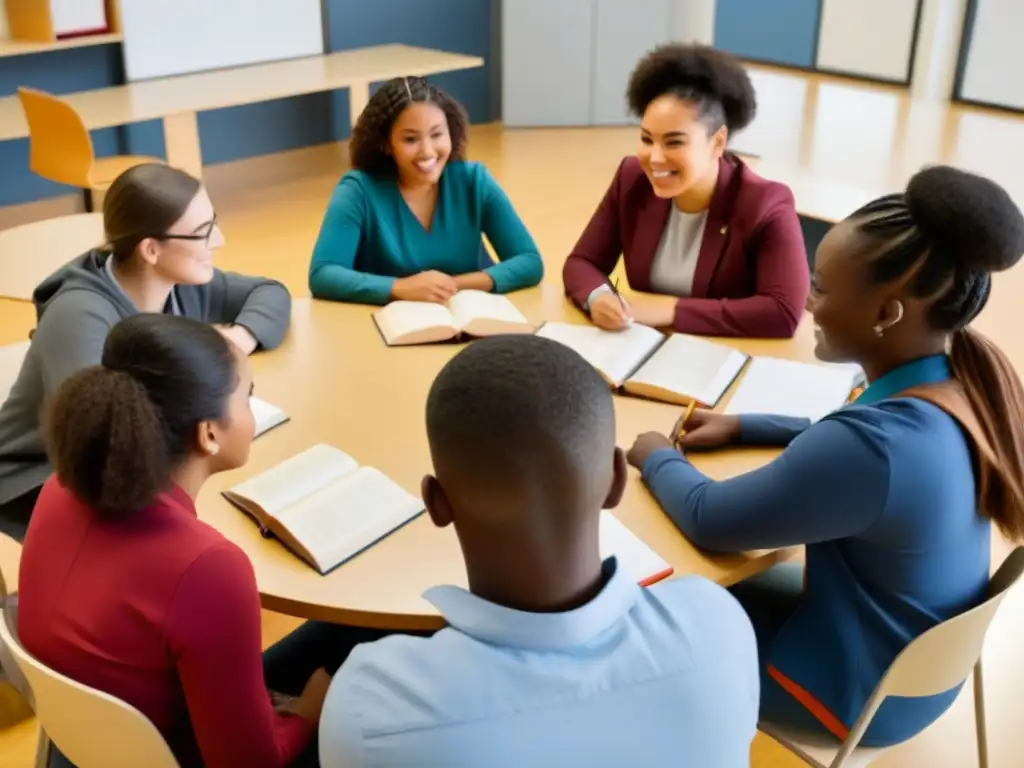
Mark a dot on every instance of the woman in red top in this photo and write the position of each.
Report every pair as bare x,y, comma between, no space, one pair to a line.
122,587
716,249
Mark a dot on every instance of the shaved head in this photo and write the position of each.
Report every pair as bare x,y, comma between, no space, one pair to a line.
522,417
522,436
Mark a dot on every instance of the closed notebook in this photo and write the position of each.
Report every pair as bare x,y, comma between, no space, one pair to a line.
641,562
267,416
324,506
470,313
789,388
644,362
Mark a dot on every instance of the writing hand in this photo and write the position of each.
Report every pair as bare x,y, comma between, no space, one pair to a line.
610,312
707,429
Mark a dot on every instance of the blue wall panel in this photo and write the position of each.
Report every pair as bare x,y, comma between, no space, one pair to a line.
74,69
246,131
780,31
460,26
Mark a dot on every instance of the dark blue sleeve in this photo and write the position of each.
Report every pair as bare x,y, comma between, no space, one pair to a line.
766,429
830,483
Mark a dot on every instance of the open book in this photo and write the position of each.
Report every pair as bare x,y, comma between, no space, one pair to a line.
267,416
642,361
325,507
473,313
641,562
788,388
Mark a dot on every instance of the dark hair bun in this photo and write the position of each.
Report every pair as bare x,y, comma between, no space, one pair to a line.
973,217
697,69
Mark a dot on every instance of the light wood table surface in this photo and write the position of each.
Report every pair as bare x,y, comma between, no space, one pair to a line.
177,100
340,385
29,253
10,560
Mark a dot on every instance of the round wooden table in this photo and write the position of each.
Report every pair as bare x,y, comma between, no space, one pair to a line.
341,385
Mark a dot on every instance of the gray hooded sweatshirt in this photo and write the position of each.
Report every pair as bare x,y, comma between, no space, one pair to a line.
75,309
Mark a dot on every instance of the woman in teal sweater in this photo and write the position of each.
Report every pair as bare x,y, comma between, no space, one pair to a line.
406,223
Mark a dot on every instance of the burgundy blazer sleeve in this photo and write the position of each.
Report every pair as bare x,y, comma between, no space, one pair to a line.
598,249
213,630
781,281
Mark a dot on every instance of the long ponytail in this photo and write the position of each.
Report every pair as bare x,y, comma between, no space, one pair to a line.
997,398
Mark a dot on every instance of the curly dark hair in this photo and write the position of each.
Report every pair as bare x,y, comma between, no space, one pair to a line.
372,133
713,80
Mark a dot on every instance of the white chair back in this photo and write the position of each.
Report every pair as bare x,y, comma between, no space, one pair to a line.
90,728
944,656
935,662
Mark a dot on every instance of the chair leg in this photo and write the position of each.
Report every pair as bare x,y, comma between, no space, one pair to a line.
42,749
88,201
979,716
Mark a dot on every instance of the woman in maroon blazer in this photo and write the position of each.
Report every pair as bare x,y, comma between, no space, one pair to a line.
722,245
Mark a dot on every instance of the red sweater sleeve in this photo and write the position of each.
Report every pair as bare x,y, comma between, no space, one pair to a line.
782,282
213,630
598,249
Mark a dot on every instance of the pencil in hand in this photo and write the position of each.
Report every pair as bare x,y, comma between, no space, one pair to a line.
622,302
681,425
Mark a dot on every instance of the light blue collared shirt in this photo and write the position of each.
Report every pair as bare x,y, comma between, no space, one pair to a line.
660,676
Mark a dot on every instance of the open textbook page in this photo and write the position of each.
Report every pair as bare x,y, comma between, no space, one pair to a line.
615,354
687,368
324,506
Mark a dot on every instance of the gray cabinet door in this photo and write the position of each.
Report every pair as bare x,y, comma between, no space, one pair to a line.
624,32
547,62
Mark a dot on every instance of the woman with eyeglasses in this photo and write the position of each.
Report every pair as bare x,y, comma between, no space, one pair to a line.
161,233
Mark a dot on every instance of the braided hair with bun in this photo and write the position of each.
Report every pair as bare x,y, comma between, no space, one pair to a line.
945,235
371,136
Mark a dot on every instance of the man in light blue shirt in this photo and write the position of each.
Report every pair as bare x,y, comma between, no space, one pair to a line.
552,658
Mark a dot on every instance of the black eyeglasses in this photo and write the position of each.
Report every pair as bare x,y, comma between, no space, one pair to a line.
203,236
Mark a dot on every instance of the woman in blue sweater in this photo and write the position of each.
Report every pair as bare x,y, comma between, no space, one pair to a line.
893,495
406,223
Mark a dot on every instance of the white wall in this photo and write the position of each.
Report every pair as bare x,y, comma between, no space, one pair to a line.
995,59
172,37
547,62
567,62
625,32
938,48
870,38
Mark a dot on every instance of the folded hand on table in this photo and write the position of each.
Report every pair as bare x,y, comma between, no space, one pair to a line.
430,286
653,310
239,335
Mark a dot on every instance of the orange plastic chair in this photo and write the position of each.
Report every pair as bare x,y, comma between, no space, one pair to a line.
60,147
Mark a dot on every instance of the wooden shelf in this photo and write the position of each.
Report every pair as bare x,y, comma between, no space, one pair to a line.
23,47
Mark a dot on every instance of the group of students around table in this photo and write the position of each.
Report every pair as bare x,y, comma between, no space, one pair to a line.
136,386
